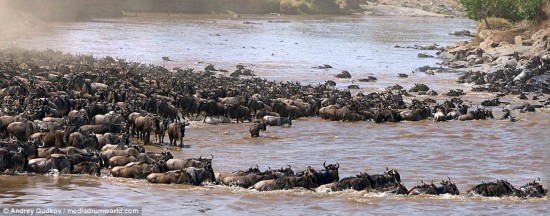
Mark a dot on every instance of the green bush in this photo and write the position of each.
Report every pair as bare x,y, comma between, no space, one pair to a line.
513,10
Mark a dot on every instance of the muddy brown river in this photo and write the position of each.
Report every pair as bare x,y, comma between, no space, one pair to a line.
467,152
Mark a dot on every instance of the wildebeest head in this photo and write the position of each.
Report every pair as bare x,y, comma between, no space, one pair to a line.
448,187
393,174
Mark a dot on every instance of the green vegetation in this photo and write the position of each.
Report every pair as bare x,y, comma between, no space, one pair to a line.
512,10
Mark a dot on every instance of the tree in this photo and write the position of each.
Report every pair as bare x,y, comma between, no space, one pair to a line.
513,10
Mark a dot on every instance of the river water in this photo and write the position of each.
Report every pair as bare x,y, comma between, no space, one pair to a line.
467,152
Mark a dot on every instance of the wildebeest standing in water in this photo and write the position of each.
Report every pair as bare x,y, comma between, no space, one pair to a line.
256,127
176,131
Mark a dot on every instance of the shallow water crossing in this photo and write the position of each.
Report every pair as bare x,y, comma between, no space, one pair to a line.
467,152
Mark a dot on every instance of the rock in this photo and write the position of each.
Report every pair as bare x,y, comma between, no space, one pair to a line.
431,93
524,75
330,83
210,67
455,93
353,87
396,87
402,75
368,79
419,87
423,68
462,33
423,55
459,64
344,74
324,66
512,63
518,40
241,71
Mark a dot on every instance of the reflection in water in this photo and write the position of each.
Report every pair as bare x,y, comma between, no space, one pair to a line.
467,152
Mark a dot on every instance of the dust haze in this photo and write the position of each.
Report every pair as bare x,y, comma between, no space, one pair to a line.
15,23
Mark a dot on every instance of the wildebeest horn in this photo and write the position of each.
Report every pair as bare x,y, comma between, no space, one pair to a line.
387,169
257,167
212,156
200,157
422,181
538,178
449,178
289,166
337,165
324,164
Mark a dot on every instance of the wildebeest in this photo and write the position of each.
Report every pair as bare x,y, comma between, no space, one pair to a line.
168,111
277,121
210,108
533,189
54,162
389,176
109,118
494,189
359,182
101,129
244,181
446,187
13,160
89,168
106,155
170,177
121,160
238,112
176,131
21,130
136,170
145,125
84,141
256,127
328,175
287,182
163,127
206,163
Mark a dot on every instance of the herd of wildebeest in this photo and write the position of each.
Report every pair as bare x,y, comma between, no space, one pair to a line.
76,114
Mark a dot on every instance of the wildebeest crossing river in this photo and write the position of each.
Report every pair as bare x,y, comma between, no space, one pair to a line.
469,152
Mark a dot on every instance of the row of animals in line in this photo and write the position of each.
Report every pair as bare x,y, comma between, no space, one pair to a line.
131,161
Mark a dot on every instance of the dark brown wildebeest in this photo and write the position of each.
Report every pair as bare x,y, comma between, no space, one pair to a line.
287,182
238,112
145,125
256,127
89,168
494,189
533,189
359,182
210,108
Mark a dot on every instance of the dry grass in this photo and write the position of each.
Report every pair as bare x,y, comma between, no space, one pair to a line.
494,24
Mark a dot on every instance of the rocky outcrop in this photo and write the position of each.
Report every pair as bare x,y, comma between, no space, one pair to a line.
507,62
